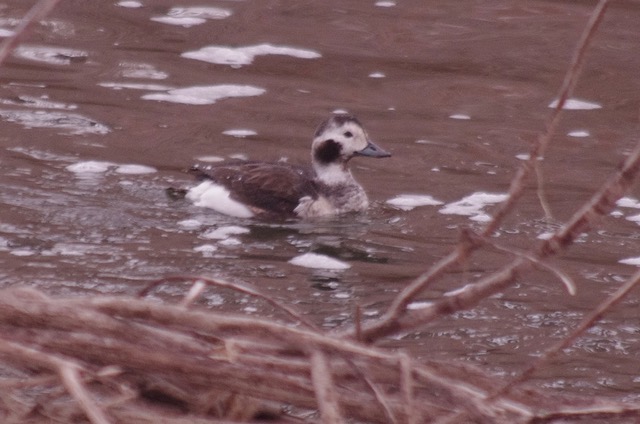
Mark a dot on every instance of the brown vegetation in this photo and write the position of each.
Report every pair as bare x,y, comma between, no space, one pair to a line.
121,359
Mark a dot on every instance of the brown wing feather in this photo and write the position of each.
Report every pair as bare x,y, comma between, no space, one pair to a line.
270,187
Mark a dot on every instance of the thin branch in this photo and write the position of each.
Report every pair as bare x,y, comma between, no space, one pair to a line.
586,323
568,85
601,203
388,323
568,282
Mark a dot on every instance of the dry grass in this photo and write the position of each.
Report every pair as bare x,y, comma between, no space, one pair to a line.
131,359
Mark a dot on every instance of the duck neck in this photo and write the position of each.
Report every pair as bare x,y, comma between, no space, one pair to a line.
334,174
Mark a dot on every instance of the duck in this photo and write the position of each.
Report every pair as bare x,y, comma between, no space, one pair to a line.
248,189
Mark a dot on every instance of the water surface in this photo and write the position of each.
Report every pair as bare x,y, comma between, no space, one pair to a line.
106,104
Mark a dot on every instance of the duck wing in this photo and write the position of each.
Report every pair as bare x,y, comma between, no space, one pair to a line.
269,187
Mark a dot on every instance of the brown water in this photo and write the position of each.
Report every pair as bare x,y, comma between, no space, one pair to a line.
457,91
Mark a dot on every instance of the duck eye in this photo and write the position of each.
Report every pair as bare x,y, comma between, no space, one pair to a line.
348,134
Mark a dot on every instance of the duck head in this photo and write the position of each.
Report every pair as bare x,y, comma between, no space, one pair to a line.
336,141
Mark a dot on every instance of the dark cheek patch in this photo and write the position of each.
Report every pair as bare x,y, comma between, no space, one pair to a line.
328,151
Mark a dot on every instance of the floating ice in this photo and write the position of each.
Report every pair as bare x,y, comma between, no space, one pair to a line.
222,233
22,252
42,102
420,304
51,55
630,261
460,116
190,223
407,202
238,56
141,70
205,95
634,218
579,133
135,86
473,205
239,156
129,3
190,16
210,158
545,236
73,123
628,202
317,261
205,248
90,167
6,32
240,133
576,104
135,169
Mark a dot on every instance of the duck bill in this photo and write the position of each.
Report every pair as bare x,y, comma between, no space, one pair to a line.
373,151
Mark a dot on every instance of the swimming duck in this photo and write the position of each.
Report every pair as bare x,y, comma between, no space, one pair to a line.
253,189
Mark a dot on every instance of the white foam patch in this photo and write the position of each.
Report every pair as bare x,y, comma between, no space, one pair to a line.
634,218
135,169
473,205
205,248
385,3
317,261
223,233
42,102
50,55
239,56
421,304
190,223
6,32
630,261
628,202
460,116
207,194
210,158
576,104
141,70
71,123
545,235
377,75
205,95
190,16
22,252
407,202
129,3
239,156
93,167
579,133
135,86
240,133
90,167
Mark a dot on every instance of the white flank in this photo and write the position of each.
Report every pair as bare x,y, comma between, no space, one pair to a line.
213,196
